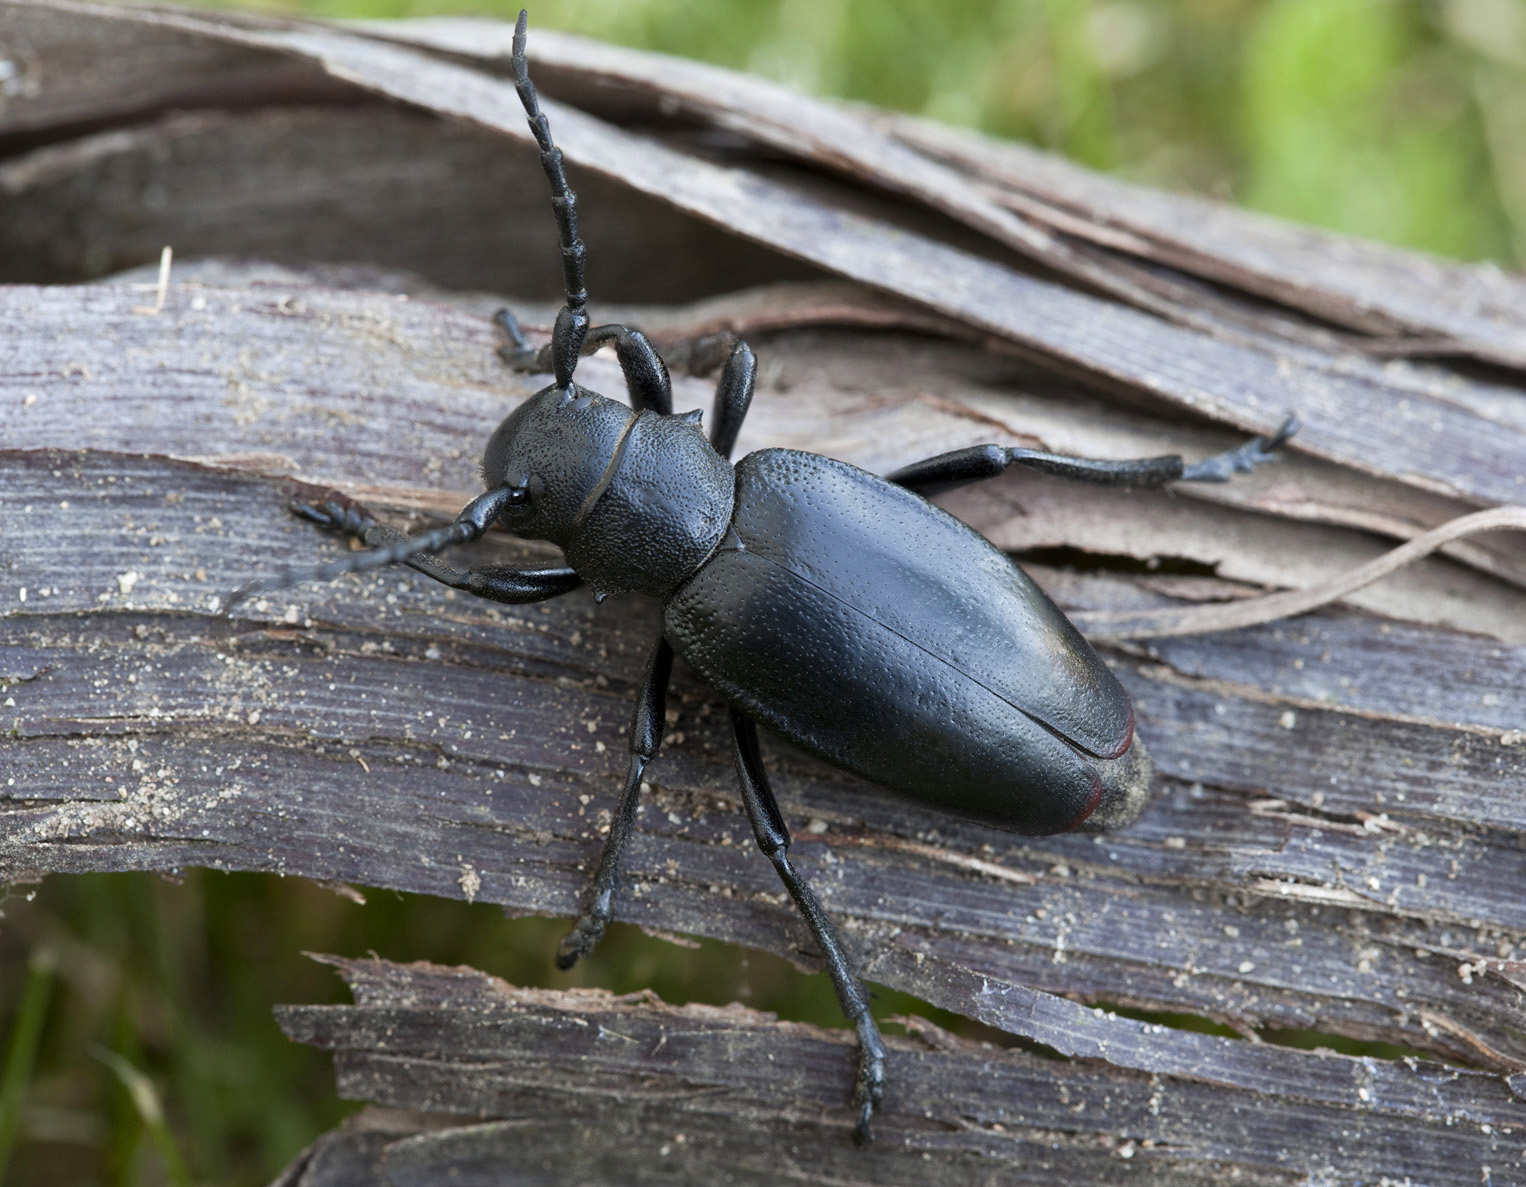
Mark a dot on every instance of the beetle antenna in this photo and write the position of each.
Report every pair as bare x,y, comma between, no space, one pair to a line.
471,524
432,541
572,322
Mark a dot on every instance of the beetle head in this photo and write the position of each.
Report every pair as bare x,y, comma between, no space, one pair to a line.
557,449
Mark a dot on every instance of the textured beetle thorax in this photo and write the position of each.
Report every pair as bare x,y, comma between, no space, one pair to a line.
664,508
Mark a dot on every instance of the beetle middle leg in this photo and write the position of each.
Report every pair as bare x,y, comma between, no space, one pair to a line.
645,738
962,466
733,395
773,838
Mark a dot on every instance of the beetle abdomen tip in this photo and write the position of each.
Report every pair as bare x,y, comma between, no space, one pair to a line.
1125,790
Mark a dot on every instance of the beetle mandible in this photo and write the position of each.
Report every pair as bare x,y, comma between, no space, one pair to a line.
842,610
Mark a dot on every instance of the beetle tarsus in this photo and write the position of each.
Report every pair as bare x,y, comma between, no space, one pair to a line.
1242,459
599,909
869,1084
583,938
505,320
517,351
334,516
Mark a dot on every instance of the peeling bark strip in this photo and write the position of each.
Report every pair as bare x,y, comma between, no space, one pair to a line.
1041,205
456,1041
1363,417
1338,839
634,1145
391,399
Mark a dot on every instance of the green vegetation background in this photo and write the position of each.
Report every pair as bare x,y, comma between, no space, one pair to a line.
135,1020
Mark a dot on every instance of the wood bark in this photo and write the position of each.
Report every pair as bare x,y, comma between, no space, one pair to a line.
1336,840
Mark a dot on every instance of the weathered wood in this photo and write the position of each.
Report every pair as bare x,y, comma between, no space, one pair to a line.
612,1140
372,184
236,753
100,375
422,1037
1041,205
1336,842
74,74
1412,303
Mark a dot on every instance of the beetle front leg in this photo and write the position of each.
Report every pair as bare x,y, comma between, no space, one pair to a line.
646,375
773,838
645,737
498,583
733,397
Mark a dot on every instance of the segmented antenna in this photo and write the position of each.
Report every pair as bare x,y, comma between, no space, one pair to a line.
572,322
361,562
471,524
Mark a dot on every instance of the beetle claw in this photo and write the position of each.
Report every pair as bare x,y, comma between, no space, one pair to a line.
580,941
1289,426
869,1084
1221,467
862,1134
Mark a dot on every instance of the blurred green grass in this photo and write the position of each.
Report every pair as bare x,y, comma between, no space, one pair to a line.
1401,120
166,987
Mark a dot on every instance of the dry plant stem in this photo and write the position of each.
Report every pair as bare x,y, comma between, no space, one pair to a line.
1198,620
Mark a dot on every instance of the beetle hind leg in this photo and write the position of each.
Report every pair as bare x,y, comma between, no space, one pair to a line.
773,838
963,466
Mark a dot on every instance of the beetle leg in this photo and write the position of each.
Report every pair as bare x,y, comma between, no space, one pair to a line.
646,376
645,738
1221,467
498,583
950,470
733,396
702,355
773,838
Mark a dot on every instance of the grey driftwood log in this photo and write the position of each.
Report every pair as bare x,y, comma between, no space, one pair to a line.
1336,843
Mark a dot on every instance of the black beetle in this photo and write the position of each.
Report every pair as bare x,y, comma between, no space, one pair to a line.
843,610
